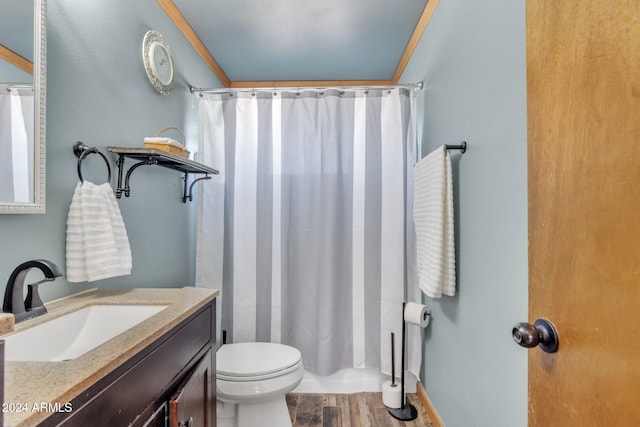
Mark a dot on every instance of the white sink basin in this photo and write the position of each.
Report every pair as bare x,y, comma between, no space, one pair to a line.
72,335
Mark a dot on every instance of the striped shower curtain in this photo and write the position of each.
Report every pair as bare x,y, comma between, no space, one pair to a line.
307,230
16,144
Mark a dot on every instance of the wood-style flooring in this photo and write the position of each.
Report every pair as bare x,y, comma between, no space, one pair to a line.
349,410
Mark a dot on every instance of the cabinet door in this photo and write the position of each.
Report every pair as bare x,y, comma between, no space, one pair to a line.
191,405
158,418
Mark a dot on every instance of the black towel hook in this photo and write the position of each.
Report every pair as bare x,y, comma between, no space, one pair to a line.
81,151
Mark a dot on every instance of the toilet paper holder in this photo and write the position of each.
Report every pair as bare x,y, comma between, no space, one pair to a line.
420,316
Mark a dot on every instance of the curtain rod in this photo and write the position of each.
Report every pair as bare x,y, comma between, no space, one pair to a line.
10,85
223,90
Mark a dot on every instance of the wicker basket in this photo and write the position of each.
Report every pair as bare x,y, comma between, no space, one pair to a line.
169,147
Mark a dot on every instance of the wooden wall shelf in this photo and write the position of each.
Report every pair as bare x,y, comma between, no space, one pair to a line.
152,156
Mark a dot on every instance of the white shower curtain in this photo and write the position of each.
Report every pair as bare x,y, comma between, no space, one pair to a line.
16,144
307,230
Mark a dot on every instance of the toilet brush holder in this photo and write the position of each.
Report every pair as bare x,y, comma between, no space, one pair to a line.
391,397
406,412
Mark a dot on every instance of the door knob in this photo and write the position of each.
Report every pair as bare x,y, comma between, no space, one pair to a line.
542,333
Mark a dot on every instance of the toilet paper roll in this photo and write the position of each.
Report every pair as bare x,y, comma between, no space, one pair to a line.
391,395
416,314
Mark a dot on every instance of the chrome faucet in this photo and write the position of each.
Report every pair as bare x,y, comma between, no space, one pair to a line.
32,306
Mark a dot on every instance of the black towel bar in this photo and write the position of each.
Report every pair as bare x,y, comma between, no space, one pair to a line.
462,147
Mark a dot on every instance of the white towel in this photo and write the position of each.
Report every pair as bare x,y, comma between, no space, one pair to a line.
433,219
97,242
162,140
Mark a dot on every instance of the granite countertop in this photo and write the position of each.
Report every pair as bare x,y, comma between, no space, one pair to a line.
28,384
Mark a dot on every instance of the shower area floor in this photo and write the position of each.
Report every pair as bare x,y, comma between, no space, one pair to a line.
349,381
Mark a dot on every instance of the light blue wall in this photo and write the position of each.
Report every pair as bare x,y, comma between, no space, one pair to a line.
9,73
472,61
98,93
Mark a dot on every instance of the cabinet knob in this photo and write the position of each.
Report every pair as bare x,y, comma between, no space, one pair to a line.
188,423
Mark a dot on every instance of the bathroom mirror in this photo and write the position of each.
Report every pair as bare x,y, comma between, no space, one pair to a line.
22,106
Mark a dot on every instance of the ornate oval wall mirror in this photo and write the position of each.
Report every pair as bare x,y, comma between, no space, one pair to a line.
22,106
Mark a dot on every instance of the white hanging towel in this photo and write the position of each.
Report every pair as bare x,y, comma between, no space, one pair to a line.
97,242
433,219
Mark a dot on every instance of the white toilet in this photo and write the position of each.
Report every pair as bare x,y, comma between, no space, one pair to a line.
252,380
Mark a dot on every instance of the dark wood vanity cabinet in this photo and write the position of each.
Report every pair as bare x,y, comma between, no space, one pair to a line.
189,406
159,417
168,383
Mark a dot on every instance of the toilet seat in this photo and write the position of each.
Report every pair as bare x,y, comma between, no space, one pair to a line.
254,361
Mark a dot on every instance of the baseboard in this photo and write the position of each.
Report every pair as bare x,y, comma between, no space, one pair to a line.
431,411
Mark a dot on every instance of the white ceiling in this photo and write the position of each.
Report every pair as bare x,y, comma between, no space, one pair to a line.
290,40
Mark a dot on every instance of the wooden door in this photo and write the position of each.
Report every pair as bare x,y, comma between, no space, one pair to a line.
192,404
583,91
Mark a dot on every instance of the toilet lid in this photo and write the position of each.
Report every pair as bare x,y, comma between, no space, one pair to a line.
253,359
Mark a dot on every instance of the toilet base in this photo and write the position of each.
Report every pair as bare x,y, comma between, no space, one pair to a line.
255,414
226,414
